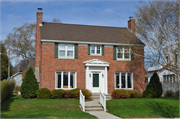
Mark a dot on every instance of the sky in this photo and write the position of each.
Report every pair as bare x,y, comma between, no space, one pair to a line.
115,13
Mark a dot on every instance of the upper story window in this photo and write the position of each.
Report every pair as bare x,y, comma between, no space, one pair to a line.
123,53
66,51
95,50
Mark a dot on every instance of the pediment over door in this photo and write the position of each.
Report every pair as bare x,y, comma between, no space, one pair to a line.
96,62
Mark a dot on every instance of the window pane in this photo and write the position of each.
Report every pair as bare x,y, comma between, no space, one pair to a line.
59,80
117,80
98,47
72,79
69,53
120,50
129,80
126,50
62,53
120,55
123,81
126,55
69,47
65,79
62,47
92,49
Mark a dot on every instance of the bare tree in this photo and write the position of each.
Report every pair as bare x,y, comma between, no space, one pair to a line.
54,20
157,25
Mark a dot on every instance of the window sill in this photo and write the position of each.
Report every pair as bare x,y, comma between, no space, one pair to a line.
66,58
125,88
123,59
65,88
95,55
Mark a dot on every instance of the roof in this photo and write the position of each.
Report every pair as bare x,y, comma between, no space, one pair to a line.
16,74
32,63
87,33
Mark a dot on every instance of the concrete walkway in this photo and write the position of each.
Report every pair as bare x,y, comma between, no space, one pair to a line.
99,114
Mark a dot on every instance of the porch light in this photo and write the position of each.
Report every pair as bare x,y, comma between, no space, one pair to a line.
90,75
103,75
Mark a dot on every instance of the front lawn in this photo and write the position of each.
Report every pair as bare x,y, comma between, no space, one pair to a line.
17,107
144,107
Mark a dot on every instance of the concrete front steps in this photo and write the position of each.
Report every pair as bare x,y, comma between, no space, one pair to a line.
93,105
96,96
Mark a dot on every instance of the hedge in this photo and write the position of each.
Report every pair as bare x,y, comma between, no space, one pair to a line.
7,89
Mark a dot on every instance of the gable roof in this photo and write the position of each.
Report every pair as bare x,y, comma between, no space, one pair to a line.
87,33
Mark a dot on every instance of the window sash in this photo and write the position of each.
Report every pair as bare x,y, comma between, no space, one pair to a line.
125,80
122,55
67,80
66,51
95,50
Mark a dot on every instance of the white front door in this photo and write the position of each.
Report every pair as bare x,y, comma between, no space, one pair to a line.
95,82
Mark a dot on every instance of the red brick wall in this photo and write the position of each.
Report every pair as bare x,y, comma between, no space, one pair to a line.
49,65
23,73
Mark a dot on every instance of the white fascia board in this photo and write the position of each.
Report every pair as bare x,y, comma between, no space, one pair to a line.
81,42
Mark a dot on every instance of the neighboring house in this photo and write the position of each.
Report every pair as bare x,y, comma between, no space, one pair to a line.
168,78
96,58
18,78
20,75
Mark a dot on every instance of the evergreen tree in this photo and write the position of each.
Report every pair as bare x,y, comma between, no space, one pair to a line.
4,63
30,85
155,85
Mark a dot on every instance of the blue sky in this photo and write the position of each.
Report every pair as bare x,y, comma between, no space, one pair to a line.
100,13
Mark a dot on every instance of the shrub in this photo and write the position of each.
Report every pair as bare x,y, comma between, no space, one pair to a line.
74,92
56,94
137,95
43,93
149,94
7,89
85,92
155,85
177,93
29,86
67,93
121,93
17,88
169,93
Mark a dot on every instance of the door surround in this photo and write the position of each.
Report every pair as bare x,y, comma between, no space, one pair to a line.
100,67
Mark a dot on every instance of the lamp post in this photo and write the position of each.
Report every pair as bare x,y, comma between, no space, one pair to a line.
8,67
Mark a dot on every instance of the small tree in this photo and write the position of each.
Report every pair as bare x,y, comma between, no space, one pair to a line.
155,85
29,86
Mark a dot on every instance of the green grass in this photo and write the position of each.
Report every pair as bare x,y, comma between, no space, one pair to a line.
144,107
17,107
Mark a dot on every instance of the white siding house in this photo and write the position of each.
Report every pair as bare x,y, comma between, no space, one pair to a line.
18,78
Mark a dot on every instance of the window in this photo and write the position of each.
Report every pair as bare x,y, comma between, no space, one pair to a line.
169,78
95,50
66,51
65,80
123,53
124,80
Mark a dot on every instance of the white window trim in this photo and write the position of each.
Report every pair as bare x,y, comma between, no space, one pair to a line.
56,80
60,57
125,81
123,59
95,54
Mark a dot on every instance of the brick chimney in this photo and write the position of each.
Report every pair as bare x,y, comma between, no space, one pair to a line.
131,25
38,42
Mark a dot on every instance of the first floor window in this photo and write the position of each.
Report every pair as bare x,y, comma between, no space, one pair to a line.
169,78
65,79
124,80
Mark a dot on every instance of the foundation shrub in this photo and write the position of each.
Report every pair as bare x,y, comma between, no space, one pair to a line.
56,94
121,93
43,93
74,92
7,89
17,88
137,95
67,93
85,92
149,94
169,93
177,93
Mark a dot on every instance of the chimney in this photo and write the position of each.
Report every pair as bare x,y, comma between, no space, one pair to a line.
38,42
131,24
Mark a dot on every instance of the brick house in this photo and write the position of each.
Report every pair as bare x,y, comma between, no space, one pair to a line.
96,58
